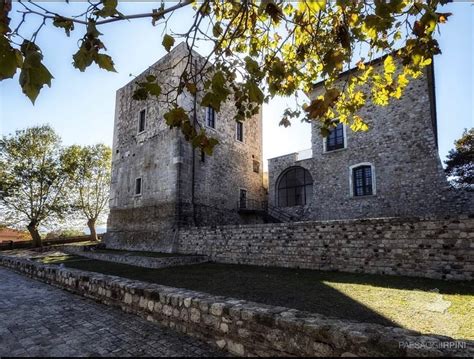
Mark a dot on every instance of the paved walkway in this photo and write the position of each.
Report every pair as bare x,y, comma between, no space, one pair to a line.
40,320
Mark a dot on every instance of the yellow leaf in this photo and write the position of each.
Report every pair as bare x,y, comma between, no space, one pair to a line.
358,124
389,65
360,64
425,62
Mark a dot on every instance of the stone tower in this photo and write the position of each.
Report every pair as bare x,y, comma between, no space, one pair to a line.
159,182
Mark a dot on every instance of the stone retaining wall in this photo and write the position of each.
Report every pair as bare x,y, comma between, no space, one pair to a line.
431,248
136,260
240,327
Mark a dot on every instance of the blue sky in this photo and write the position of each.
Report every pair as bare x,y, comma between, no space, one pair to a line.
80,106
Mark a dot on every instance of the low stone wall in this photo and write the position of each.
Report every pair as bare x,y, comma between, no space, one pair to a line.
431,248
240,327
139,261
9,245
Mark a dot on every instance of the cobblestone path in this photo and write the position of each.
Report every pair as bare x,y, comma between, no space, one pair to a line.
40,320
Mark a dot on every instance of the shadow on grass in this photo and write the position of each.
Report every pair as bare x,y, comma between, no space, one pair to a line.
294,288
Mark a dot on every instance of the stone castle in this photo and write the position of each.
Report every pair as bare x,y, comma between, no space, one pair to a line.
161,184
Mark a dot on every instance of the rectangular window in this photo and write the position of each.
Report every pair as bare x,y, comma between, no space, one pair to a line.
138,186
210,117
142,121
203,156
335,139
362,179
256,166
240,131
243,198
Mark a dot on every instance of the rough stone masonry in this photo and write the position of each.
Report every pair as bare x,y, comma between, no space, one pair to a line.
431,248
179,185
401,149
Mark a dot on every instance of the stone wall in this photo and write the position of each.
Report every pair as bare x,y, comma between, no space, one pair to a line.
401,144
430,248
240,327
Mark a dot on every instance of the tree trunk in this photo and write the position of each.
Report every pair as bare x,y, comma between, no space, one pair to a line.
91,225
33,229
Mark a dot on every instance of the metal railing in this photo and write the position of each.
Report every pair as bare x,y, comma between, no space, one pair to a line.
251,205
263,206
280,214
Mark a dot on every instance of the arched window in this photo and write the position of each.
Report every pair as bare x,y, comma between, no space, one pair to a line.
294,187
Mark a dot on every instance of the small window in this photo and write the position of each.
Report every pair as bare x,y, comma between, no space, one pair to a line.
240,131
243,198
335,139
142,121
256,166
362,179
210,117
203,156
138,186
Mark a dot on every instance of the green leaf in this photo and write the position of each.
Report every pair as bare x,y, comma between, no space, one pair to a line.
255,94
82,59
272,9
152,88
191,88
217,29
34,75
140,94
210,100
285,122
10,59
66,24
92,30
175,117
252,66
105,62
218,81
109,9
168,42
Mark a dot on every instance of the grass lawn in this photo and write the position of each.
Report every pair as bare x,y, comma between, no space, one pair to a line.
423,305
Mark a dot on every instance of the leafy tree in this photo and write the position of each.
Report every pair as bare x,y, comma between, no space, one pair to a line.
460,162
273,47
89,171
32,181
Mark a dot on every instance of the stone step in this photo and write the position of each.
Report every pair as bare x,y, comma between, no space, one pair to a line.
137,260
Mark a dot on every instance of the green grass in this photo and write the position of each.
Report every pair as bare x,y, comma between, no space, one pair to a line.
424,305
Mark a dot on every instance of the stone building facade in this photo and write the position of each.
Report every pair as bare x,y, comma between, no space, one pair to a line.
392,170
159,182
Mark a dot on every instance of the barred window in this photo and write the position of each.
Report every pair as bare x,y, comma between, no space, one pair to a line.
335,139
362,180
294,187
210,117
